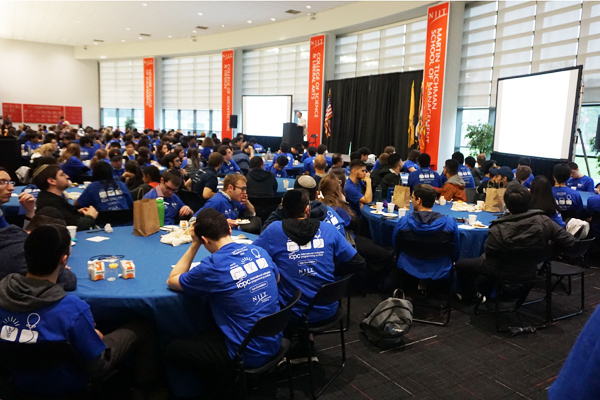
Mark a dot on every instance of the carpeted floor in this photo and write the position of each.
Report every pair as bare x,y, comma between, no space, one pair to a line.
467,359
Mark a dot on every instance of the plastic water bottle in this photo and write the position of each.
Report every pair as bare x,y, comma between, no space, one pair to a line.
269,154
161,210
390,193
377,196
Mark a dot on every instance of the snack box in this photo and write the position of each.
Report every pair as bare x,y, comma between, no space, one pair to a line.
184,224
127,269
96,270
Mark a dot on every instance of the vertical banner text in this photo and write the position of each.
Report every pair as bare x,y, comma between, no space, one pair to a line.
149,93
227,94
315,87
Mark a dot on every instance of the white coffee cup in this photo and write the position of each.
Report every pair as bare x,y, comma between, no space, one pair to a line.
286,183
442,201
480,204
472,219
391,207
379,206
72,231
401,213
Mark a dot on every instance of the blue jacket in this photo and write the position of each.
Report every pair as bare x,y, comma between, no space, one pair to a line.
429,229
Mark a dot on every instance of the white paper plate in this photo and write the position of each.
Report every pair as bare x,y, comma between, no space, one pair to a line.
377,212
387,214
242,221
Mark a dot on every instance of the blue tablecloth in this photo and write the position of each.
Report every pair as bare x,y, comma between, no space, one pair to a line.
471,241
174,314
281,190
13,207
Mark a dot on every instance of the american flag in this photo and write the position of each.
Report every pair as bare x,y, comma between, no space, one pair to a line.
328,115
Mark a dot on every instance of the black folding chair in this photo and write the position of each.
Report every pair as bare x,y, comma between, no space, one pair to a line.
430,247
328,294
21,358
267,326
191,199
115,217
264,206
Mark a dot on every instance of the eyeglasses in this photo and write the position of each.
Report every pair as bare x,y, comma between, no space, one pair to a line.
171,189
243,189
4,182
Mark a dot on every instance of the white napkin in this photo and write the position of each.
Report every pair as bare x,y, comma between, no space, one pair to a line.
97,239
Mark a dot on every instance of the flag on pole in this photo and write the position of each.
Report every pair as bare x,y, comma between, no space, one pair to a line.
411,117
328,115
420,130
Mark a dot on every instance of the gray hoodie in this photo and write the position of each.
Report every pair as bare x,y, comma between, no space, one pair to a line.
21,294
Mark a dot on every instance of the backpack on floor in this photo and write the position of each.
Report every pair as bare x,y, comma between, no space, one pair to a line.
389,321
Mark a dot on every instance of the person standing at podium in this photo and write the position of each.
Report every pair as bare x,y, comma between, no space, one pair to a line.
302,123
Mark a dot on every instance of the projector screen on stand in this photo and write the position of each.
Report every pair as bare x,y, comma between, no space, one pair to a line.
265,115
536,115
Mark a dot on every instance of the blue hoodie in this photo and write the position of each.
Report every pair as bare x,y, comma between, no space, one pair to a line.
421,224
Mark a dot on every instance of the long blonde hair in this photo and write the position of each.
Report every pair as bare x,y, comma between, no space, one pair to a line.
331,194
47,149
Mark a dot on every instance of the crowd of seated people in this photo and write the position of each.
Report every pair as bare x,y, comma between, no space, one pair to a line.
322,211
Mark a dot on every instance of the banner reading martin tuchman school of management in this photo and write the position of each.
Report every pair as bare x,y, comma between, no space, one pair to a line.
433,78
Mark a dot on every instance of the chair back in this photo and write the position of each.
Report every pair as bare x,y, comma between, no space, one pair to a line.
579,248
471,195
264,206
425,247
191,199
36,357
329,293
115,217
270,325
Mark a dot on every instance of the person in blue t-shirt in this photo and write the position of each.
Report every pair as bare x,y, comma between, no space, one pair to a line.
240,281
322,149
87,150
116,162
593,209
358,188
284,150
389,150
33,143
568,200
578,181
233,202
104,193
70,162
411,164
463,171
207,148
524,162
130,151
424,174
229,166
35,309
170,182
306,250
278,167
308,168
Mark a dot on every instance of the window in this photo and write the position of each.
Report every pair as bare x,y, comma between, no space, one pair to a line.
277,71
465,118
392,48
122,92
171,119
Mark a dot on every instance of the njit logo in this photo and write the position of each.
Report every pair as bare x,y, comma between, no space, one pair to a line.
148,61
227,55
262,297
317,42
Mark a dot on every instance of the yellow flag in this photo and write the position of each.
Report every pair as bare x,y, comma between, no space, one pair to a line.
411,116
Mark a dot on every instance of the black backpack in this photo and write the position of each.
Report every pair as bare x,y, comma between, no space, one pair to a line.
389,321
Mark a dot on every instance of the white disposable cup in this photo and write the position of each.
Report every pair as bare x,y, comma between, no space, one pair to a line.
391,207
472,219
72,231
379,206
87,183
286,183
442,201
401,213
480,204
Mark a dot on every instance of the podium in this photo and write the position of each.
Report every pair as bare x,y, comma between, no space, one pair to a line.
292,133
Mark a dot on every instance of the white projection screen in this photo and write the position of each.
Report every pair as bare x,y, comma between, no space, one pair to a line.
535,114
265,115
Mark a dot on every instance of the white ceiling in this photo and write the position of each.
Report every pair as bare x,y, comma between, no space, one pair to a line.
78,23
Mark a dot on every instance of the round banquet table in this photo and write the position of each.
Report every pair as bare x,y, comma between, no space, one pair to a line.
13,207
173,313
471,240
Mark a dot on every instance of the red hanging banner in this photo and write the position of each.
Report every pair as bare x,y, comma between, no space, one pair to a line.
315,88
227,93
433,79
14,110
149,93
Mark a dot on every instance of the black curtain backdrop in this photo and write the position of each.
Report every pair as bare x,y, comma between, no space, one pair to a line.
372,111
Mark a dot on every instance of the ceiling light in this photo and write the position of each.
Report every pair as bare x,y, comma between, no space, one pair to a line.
222,26
127,29
96,43
102,57
200,14
64,40
308,7
193,31
123,40
19,37
170,36
139,37
78,22
144,4
273,19
249,21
